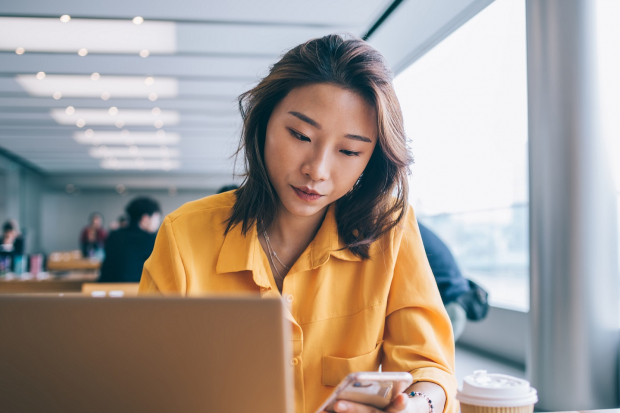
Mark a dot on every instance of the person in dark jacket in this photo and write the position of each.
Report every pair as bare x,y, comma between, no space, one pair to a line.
127,248
448,276
12,240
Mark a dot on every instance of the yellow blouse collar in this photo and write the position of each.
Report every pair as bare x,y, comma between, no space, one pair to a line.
242,253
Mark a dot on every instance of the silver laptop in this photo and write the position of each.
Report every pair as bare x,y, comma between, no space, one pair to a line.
82,354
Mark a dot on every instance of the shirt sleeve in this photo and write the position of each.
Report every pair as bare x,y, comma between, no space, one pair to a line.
163,271
418,335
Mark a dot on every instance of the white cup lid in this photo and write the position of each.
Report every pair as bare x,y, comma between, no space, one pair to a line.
496,390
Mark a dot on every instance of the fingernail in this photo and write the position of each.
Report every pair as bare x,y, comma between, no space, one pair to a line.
342,406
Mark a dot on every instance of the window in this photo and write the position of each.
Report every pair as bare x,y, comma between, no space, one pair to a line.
465,110
608,36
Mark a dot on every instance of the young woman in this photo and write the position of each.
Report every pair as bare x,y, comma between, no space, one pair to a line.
322,219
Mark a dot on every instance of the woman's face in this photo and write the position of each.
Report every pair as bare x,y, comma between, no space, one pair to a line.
319,140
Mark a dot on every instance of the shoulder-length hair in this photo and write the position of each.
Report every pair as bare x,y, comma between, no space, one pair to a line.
377,202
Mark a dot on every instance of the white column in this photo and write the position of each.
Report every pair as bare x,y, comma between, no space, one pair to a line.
574,307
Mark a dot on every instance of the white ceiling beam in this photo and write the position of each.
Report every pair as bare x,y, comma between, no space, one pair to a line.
417,26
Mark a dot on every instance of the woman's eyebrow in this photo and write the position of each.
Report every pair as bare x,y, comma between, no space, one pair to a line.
306,119
358,138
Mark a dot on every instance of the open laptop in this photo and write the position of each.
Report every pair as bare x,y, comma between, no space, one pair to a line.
82,354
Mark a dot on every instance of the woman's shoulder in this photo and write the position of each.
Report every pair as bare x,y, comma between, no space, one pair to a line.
214,206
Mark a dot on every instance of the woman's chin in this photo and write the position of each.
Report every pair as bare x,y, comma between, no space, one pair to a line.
304,209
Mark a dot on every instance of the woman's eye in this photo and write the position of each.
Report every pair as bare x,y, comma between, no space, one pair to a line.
350,153
299,136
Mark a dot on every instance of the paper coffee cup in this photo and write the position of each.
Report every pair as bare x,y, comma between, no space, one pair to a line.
496,393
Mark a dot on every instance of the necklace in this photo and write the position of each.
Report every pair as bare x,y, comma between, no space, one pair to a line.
272,253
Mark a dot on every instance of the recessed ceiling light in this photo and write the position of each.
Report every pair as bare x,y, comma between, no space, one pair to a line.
80,123
158,123
153,96
120,123
95,76
82,52
137,20
20,50
96,35
41,75
149,81
65,18
104,87
152,164
156,111
133,150
113,110
70,110
144,53
57,95
89,136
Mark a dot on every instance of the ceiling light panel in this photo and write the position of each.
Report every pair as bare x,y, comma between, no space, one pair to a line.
133,152
125,137
139,164
92,35
126,117
110,86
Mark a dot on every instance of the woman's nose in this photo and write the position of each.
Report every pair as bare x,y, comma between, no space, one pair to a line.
317,166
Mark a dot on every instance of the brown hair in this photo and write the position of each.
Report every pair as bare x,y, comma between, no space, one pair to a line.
370,209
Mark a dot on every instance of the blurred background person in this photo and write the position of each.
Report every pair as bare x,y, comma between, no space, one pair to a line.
93,236
462,298
12,239
127,248
227,188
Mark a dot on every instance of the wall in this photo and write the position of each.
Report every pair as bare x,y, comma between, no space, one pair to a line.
503,333
20,198
63,215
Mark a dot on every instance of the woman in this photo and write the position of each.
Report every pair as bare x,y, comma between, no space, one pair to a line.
93,236
316,221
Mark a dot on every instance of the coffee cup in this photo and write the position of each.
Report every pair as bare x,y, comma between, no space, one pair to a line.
496,393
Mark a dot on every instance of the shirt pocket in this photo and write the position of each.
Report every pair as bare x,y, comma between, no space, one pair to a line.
336,368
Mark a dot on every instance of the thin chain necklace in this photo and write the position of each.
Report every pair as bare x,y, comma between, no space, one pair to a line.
272,253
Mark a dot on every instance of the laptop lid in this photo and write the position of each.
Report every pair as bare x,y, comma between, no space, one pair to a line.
145,354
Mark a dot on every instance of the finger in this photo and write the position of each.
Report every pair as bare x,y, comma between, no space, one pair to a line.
398,404
350,407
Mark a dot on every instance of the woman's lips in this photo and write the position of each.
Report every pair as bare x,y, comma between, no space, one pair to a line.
305,196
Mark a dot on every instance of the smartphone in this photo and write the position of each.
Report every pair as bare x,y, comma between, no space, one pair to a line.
376,389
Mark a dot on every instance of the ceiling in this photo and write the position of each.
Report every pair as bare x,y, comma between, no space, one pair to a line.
101,93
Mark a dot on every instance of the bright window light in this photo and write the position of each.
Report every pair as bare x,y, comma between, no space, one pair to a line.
608,36
465,109
145,164
97,86
132,152
103,117
125,137
94,35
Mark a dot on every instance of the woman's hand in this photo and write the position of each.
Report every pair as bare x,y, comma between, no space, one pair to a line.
401,403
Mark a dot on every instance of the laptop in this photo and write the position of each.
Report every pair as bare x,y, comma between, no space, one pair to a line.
144,354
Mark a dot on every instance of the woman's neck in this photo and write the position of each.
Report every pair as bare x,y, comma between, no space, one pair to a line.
290,234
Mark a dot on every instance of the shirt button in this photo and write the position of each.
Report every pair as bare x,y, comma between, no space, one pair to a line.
289,298
294,362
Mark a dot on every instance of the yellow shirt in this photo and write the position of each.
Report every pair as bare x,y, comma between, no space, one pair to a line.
347,314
